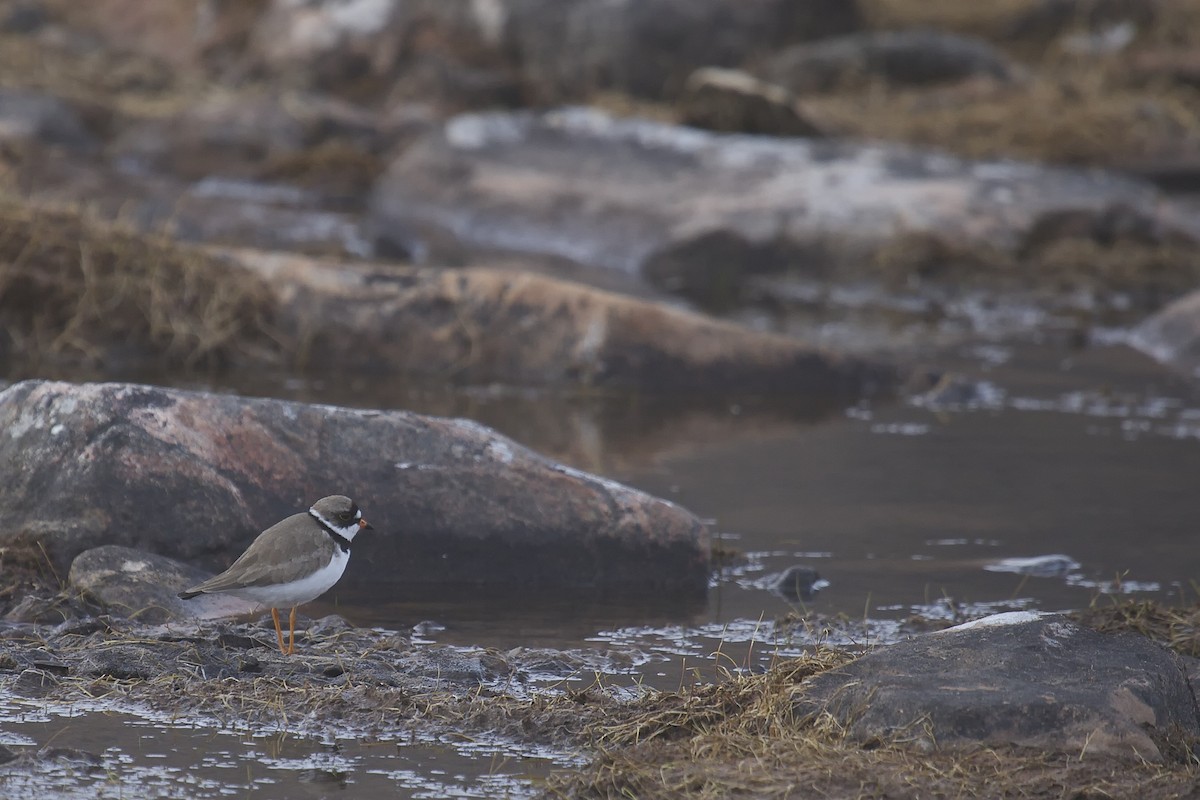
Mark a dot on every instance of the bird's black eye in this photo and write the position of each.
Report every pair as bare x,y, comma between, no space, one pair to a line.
346,516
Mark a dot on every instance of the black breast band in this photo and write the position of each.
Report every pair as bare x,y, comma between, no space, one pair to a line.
342,542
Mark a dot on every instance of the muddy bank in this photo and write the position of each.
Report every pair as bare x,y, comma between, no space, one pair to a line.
354,681
744,735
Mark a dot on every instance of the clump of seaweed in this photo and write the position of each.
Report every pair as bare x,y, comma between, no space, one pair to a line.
78,291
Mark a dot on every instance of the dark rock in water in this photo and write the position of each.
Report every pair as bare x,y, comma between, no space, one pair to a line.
1015,679
1172,335
144,586
532,330
73,755
799,583
736,102
612,194
951,391
198,476
1051,566
903,58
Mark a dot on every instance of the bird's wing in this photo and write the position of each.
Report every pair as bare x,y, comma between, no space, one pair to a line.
278,555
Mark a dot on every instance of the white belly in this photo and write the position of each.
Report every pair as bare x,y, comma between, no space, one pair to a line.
285,595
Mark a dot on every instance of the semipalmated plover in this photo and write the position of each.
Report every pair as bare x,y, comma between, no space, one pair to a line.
292,562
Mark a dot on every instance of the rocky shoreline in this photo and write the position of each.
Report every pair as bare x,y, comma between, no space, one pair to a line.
680,205
1131,723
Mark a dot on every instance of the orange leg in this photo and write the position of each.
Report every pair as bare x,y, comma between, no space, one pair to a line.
291,632
278,629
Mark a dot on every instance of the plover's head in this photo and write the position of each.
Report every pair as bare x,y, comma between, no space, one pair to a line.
341,514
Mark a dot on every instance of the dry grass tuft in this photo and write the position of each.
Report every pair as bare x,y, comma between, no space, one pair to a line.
1072,109
741,738
737,737
73,290
1176,627
1075,114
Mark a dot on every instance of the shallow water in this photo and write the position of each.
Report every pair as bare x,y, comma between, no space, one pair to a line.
1084,454
906,508
90,753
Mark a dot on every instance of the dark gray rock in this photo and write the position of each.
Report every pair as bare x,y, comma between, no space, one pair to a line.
799,583
623,194
197,476
23,18
901,58
41,610
144,586
72,755
736,102
34,117
1015,679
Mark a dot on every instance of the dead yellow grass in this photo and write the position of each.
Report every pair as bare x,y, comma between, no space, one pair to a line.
977,19
73,289
741,738
1176,627
1073,116
1072,109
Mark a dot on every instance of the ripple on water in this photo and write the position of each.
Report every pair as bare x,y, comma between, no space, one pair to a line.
145,753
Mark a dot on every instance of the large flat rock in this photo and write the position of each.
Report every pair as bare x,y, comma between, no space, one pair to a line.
197,476
144,586
486,325
1016,679
681,206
